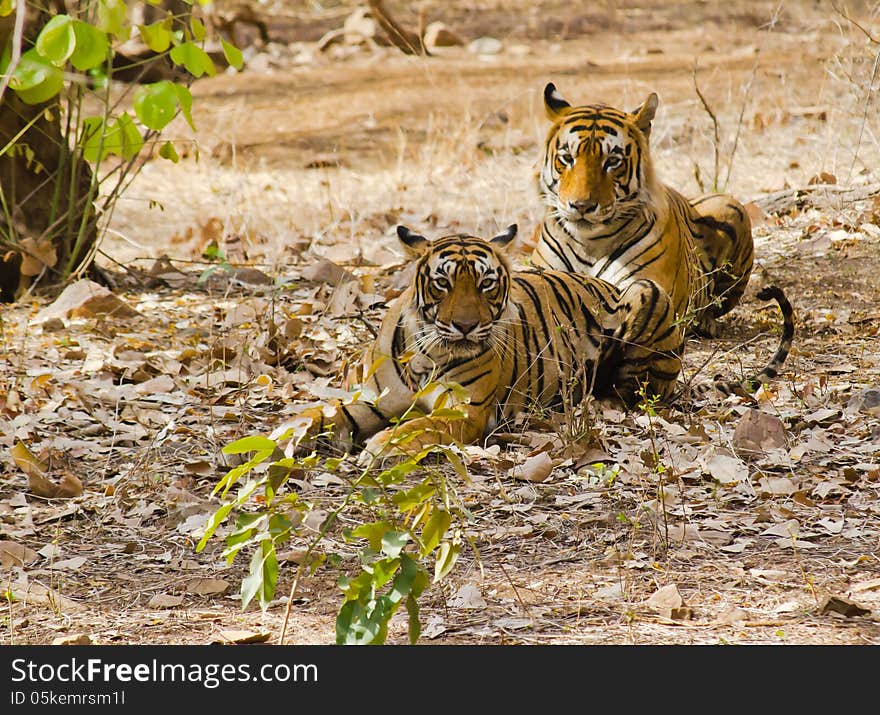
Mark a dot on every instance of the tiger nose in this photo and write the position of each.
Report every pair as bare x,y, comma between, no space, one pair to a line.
583,207
465,325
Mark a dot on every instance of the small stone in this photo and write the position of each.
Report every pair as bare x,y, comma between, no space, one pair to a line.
486,46
437,34
78,639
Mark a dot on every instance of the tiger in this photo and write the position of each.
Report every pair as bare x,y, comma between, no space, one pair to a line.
609,215
487,342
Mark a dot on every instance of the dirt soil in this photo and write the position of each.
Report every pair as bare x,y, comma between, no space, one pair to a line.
302,166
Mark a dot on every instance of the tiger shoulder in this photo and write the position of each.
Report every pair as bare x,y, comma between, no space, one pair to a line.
607,214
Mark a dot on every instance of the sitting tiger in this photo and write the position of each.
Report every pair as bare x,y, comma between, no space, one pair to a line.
494,342
608,215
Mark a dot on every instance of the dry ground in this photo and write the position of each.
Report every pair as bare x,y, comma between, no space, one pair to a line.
308,154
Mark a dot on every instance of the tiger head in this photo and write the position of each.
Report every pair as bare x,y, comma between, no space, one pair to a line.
460,291
596,168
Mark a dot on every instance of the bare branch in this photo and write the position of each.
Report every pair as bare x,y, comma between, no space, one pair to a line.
782,201
845,16
717,139
407,42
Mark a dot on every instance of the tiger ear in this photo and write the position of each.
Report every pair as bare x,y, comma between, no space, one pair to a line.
554,103
414,244
503,240
644,115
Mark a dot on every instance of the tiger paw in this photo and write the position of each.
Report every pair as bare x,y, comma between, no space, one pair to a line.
314,427
397,444
388,445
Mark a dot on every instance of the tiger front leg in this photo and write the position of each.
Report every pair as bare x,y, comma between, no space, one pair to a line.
650,342
413,436
341,425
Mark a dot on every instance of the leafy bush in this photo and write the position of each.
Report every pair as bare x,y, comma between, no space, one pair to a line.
74,120
407,514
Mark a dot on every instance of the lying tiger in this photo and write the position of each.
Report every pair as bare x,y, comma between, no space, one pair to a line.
608,215
510,339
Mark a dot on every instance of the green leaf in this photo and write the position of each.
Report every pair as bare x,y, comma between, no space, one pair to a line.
35,79
233,475
280,527
373,532
57,40
99,77
184,98
457,464
360,625
236,542
217,518
254,443
403,582
247,523
91,46
382,571
412,498
198,29
396,473
157,36
393,543
99,139
262,577
156,104
167,151
130,141
447,555
90,139
111,18
6,7
194,58
232,54
448,413
345,621
435,530
414,626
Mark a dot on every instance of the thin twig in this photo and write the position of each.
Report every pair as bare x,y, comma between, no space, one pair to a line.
868,95
522,603
716,140
17,38
846,17
739,122
290,600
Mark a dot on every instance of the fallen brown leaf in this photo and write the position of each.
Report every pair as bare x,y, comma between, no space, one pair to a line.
535,469
164,600
665,598
26,461
207,586
838,604
85,297
69,487
757,432
14,554
237,637
323,270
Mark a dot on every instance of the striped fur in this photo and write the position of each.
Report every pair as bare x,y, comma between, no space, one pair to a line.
608,215
510,340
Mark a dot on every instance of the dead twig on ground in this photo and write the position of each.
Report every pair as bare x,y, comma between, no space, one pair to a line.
408,42
781,201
